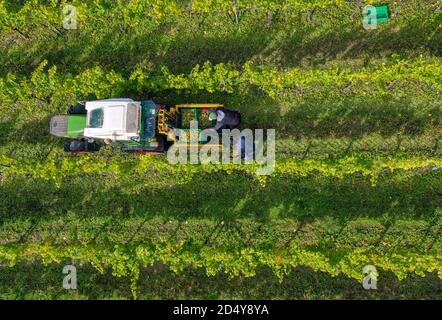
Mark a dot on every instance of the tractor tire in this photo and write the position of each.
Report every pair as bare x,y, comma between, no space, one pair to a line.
78,109
81,146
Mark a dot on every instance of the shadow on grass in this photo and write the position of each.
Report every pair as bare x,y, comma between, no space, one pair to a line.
318,42
18,130
226,197
150,45
355,116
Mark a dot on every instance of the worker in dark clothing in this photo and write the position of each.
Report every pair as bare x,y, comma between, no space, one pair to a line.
225,119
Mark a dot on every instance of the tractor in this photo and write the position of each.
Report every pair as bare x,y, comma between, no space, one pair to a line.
139,126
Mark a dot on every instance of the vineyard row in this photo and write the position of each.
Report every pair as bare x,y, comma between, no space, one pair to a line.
128,260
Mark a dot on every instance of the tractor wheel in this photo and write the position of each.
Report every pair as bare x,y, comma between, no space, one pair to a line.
78,109
75,146
81,146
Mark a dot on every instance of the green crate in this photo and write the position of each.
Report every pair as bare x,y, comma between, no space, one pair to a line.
381,14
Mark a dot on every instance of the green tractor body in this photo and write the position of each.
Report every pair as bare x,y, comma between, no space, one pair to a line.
68,126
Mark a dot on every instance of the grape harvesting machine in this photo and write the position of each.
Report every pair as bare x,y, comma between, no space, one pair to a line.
140,126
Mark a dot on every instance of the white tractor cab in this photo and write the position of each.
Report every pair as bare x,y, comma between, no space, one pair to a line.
113,119
140,126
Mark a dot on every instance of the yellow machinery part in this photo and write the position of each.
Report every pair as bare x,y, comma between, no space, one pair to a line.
163,117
